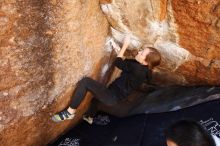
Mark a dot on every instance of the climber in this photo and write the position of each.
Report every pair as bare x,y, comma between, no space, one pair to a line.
134,73
189,133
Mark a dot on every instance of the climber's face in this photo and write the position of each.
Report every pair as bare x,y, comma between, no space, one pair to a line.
141,56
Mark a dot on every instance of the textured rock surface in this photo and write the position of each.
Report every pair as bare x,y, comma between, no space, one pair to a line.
186,32
46,47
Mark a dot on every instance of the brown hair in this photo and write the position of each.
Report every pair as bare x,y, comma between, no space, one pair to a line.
189,133
153,59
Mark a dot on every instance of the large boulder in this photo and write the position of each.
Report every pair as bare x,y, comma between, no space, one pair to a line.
186,32
46,47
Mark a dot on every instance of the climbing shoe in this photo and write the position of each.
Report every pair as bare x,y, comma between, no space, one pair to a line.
88,119
63,115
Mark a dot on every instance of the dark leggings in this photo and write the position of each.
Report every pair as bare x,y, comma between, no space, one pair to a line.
99,91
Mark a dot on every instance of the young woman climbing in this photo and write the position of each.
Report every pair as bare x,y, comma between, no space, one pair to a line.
134,73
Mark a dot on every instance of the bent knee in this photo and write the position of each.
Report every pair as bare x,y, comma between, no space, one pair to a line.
85,80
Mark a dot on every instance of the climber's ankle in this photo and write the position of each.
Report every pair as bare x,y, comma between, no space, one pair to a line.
71,110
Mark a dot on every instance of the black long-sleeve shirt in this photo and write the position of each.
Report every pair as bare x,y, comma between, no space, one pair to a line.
132,76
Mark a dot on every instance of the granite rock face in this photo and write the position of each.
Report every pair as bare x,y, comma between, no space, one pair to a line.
46,47
186,32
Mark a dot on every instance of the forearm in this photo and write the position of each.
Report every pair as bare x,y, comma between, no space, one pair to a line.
124,47
122,51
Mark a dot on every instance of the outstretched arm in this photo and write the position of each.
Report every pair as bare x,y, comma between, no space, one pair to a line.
124,47
119,62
